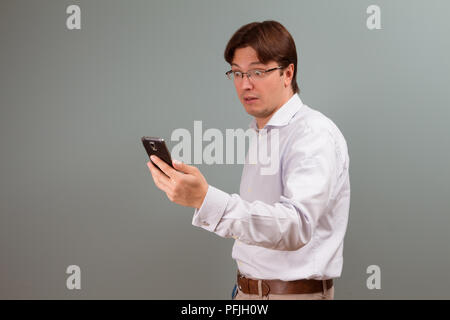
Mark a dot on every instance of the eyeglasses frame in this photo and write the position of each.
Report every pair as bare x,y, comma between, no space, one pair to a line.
265,71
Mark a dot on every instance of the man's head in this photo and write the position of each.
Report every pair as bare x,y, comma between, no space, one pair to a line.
263,46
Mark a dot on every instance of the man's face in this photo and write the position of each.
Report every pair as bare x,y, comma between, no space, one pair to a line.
269,93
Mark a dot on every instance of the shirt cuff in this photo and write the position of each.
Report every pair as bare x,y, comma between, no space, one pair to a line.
211,210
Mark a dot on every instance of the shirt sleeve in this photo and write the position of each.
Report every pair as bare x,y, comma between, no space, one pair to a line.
308,172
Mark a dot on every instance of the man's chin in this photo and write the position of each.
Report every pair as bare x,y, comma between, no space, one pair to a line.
255,112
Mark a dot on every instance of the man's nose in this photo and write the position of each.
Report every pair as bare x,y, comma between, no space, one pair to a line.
246,83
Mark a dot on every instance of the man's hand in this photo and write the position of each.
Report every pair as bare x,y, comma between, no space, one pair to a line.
185,186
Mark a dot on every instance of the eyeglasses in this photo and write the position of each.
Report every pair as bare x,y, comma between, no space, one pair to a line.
256,74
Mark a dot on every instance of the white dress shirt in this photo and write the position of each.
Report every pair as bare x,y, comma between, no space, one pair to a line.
288,225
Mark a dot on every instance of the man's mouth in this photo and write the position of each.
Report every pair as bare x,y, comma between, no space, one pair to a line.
250,99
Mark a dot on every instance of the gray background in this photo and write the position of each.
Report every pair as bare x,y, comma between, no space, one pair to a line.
75,188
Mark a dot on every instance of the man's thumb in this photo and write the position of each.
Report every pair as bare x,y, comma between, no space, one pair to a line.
180,166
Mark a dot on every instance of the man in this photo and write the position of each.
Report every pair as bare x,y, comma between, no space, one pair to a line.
288,226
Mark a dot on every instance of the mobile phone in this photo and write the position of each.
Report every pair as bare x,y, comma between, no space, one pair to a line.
157,146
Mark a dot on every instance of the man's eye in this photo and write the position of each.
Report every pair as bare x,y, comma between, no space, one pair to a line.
237,73
258,73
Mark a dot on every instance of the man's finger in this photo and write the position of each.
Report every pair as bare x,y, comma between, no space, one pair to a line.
183,167
161,180
154,169
168,170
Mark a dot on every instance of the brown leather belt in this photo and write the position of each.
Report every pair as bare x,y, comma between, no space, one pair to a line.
250,286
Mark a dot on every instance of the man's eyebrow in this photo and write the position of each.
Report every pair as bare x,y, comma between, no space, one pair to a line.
252,63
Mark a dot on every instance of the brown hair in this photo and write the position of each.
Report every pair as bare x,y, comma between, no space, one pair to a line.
270,40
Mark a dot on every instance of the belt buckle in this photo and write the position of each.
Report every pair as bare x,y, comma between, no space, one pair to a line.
243,285
265,288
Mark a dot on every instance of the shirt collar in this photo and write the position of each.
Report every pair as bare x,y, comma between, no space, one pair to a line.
283,115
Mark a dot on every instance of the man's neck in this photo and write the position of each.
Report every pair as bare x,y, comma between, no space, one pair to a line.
261,122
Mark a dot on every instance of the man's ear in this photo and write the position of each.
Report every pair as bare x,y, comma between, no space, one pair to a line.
289,74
